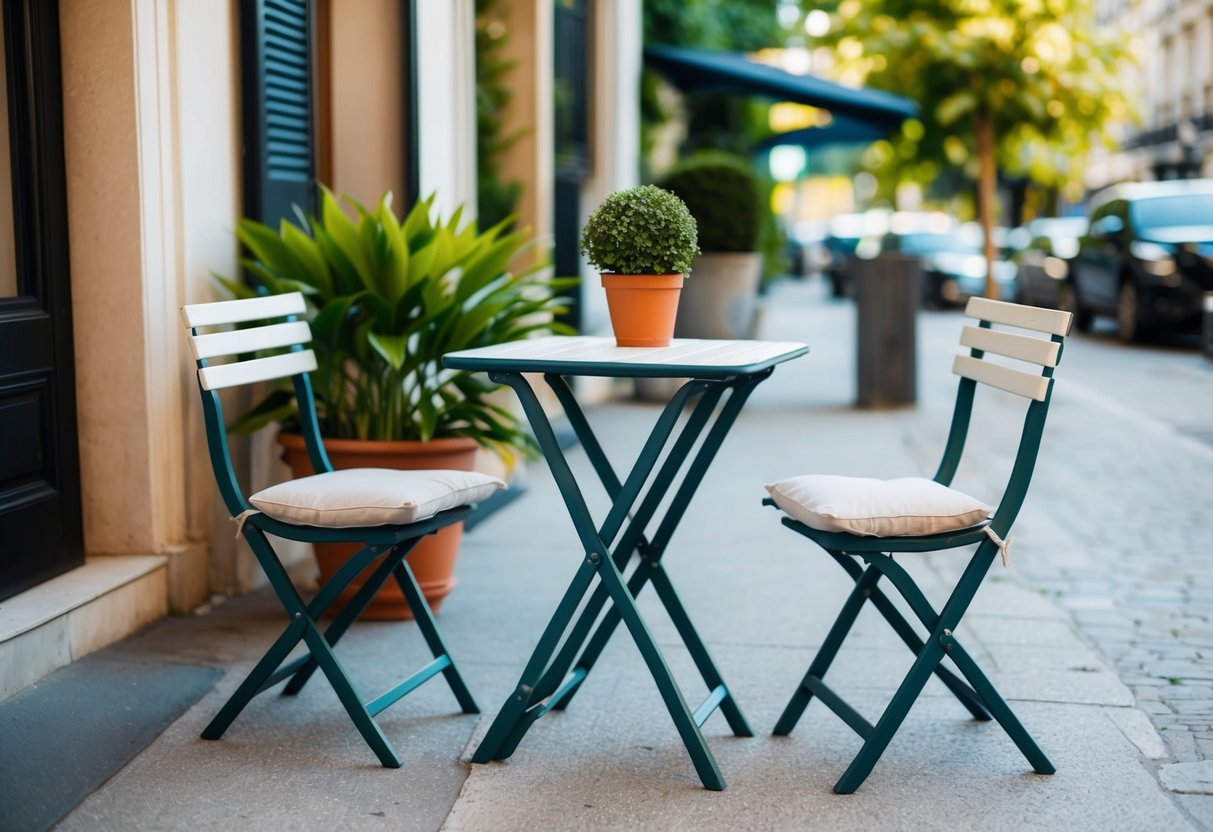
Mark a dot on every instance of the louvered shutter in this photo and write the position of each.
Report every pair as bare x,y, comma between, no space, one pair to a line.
279,157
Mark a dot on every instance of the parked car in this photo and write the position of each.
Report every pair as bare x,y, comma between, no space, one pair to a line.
844,234
807,252
1147,258
972,280
954,267
1043,262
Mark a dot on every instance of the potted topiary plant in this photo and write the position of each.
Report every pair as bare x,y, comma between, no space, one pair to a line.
389,298
723,193
642,240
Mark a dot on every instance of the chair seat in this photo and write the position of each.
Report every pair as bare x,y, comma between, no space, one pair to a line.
905,507
361,497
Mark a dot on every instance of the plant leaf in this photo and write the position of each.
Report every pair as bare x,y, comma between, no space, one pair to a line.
391,347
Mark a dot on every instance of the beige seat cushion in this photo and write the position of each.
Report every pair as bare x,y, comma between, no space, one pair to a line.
372,496
906,507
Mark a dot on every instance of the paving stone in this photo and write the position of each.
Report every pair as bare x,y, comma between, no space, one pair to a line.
1199,807
1188,778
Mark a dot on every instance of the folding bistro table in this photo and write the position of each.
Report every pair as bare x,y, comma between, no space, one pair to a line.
722,375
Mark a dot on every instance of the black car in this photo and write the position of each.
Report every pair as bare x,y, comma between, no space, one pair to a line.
953,266
1044,260
1147,258
843,235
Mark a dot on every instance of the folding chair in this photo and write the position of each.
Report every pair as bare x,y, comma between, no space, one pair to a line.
411,504
849,540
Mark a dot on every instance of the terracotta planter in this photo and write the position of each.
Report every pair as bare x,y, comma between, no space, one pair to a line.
643,307
433,559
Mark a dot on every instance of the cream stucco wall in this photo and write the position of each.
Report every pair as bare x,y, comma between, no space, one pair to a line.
105,228
152,161
207,105
368,86
531,159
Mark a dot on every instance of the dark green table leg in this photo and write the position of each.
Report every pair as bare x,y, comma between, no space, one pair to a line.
633,537
741,389
527,704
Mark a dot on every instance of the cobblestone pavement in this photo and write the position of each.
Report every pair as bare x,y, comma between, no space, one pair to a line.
1146,596
1124,494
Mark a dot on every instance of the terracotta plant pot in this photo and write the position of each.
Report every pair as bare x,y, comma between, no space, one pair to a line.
433,559
643,307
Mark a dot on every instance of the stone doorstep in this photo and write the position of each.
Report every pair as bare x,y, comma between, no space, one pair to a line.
59,621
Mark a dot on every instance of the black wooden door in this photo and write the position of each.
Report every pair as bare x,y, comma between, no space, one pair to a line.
40,524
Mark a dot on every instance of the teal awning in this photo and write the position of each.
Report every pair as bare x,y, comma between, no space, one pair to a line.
733,73
842,130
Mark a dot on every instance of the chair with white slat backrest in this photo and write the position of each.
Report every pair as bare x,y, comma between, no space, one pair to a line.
856,520
329,507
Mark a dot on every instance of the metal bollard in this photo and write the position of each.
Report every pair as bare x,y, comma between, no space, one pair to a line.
1206,327
887,295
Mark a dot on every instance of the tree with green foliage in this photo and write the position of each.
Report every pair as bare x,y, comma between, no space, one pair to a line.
1026,86
496,196
714,121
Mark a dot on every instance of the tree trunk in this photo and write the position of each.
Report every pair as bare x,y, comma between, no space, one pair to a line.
987,184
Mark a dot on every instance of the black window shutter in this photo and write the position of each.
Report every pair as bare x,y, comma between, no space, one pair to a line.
279,149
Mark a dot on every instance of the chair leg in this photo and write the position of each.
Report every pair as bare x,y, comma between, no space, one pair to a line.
337,677
967,696
249,688
424,617
964,694
829,649
348,615
1001,711
891,719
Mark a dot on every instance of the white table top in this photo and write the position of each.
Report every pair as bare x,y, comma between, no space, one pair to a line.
589,355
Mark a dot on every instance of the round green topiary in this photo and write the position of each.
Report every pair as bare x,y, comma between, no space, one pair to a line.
723,193
643,230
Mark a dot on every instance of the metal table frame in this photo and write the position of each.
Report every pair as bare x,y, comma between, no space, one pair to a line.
551,679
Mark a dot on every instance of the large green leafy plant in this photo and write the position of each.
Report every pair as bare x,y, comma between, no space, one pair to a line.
644,230
389,299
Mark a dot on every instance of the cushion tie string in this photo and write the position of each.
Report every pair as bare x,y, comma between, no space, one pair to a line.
241,518
1004,546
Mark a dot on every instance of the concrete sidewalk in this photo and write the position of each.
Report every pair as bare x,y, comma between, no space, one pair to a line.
761,596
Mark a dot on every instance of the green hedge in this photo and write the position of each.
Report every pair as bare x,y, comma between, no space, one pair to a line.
723,194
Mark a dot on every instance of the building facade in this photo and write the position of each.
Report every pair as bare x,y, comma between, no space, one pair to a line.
1174,44
140,131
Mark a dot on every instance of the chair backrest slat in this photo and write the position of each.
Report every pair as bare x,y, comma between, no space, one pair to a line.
237,341
245,309
258,369
1023,347
1005,378
264,330
1050,321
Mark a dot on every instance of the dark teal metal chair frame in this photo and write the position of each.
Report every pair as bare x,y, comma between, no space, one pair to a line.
978,696
388,544
552,677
